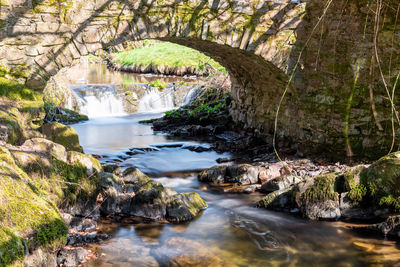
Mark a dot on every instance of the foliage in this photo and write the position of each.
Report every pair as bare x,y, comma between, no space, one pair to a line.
168,55
158,84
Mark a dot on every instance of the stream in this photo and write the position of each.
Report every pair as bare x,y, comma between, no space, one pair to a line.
231,231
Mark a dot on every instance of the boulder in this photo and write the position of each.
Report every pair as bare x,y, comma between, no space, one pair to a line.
92,165
184,207
243,174
45,146
279,183
63,135
70,257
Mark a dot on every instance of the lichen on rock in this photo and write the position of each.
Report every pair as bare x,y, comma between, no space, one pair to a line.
62,134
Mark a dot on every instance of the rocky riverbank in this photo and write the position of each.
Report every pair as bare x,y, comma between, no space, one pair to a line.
53,194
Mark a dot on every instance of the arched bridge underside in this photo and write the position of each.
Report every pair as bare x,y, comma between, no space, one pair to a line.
337,101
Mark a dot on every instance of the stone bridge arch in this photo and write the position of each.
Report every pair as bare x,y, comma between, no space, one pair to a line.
257,41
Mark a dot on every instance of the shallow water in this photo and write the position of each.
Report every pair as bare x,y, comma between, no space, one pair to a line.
231,231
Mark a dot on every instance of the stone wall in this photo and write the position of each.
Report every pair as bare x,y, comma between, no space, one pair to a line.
257,41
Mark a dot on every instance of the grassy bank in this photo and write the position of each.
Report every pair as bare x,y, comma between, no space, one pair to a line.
166,58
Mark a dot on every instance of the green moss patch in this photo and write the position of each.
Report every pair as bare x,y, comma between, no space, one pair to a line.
27,213
323,189
63,135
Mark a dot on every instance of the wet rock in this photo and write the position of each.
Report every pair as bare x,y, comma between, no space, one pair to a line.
197,148
108,180
70,257
82,224
224,160
282,200
92,165
184,207
86,238
280,183
242,174
63,135
178,251
272,171
390,227
215,174
112,168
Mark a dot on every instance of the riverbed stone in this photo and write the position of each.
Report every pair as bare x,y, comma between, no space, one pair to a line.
41,145
279,183
184,207
243,174
179,251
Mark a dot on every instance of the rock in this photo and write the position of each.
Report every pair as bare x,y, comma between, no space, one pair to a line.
273,171
63,135
112,168
41,257
282,200
242,174
108,180
178,251
70,257
134,176
184,207
353,209
197,148
79,239
42,145
317,199
224,160
279,183
390,227
215,174
82,224
381,181
92,165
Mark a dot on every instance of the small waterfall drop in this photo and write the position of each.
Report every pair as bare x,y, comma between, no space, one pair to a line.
97,101
191,95
155,100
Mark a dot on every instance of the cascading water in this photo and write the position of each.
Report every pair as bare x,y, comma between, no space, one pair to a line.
191,95
97,100
155,100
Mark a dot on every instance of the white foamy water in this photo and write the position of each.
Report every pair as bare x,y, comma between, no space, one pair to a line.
97,101
191,95
155,100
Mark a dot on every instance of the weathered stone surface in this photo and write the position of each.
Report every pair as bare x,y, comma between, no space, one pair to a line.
243,174
46,146
280,183
70,257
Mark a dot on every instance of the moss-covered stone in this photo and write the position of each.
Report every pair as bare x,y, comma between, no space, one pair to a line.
184,207
62,134
89,162
382,181
322,189
28,216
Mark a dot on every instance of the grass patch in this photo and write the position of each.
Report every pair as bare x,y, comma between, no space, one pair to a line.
168,55
18,92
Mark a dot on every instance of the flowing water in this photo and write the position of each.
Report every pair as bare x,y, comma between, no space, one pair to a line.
231,230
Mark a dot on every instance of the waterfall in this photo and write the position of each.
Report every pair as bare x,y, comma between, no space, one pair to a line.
155,100
191,95
97,100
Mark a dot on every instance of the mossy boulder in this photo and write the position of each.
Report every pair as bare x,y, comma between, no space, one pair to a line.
28,218
382,181
184,207
91,164
62,134
44,146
